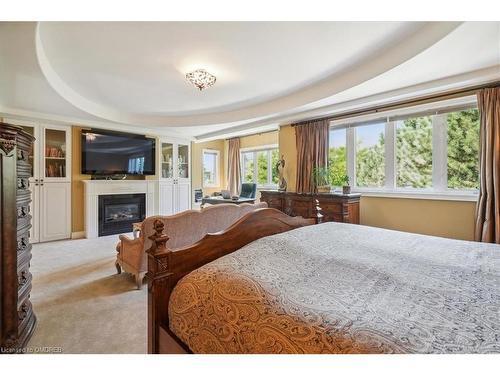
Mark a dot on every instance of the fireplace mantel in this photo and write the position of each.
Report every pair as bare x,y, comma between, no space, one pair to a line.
94,188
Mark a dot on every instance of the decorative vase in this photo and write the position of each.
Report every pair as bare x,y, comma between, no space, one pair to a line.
346,189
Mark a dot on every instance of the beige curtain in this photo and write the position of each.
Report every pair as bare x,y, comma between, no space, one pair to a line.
233,171
487,228
312,151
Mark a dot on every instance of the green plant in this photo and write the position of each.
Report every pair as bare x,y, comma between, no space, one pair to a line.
321,176
345,180
338,178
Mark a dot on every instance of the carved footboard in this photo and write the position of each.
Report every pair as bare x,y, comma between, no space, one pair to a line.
167,267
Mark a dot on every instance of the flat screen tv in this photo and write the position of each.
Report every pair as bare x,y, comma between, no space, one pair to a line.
111,153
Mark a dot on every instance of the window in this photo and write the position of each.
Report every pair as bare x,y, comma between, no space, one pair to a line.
337,155
211,168
463,149
414,152
258,166
370,155
435,151
248,167
263,167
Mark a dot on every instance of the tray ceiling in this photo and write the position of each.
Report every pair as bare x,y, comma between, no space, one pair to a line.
133,73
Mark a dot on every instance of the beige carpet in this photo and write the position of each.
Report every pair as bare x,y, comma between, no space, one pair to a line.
82,305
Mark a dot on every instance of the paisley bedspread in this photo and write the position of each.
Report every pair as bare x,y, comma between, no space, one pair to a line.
340,288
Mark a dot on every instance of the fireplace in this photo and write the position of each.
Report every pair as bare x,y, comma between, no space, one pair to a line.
118,212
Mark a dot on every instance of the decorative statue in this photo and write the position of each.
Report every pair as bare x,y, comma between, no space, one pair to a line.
280,168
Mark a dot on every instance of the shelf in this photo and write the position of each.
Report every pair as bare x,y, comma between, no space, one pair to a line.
55,158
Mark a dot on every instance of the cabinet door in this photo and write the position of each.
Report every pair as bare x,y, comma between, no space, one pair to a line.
166,198
55,211
55,153
183,199
167,160
183,163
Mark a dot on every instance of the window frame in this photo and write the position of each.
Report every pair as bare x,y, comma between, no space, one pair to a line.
254,151
439,189
216,184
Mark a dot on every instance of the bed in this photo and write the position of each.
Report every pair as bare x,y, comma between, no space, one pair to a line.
275,284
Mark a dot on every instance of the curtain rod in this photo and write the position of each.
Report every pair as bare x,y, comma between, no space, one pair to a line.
252,134
451,94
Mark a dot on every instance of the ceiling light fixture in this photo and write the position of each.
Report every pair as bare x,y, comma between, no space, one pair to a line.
201,78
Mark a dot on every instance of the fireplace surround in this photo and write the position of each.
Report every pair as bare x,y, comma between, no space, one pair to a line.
95,188
117,212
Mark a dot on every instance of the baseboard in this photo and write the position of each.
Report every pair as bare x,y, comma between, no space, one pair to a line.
77,235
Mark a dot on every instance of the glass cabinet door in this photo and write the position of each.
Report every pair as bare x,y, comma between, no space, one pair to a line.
55,154
167,160
183,161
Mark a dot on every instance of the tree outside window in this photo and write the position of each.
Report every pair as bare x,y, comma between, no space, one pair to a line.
370,155
411,152
337,156
414,152
248,167
463,149
262,167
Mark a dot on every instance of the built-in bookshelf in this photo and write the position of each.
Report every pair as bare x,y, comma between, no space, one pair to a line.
50,180
55,153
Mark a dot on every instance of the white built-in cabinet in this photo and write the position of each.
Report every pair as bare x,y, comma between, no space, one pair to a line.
50,181
175,176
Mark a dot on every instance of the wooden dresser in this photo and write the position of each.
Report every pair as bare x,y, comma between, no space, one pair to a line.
17,320
334,206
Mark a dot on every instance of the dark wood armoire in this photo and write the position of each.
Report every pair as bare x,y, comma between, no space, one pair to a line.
17,320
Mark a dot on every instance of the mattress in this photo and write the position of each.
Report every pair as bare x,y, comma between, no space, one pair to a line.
342,288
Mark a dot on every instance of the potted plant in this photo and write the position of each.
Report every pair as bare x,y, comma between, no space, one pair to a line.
346,188
321,178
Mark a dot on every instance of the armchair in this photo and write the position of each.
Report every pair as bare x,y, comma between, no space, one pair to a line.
248,190
183,229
